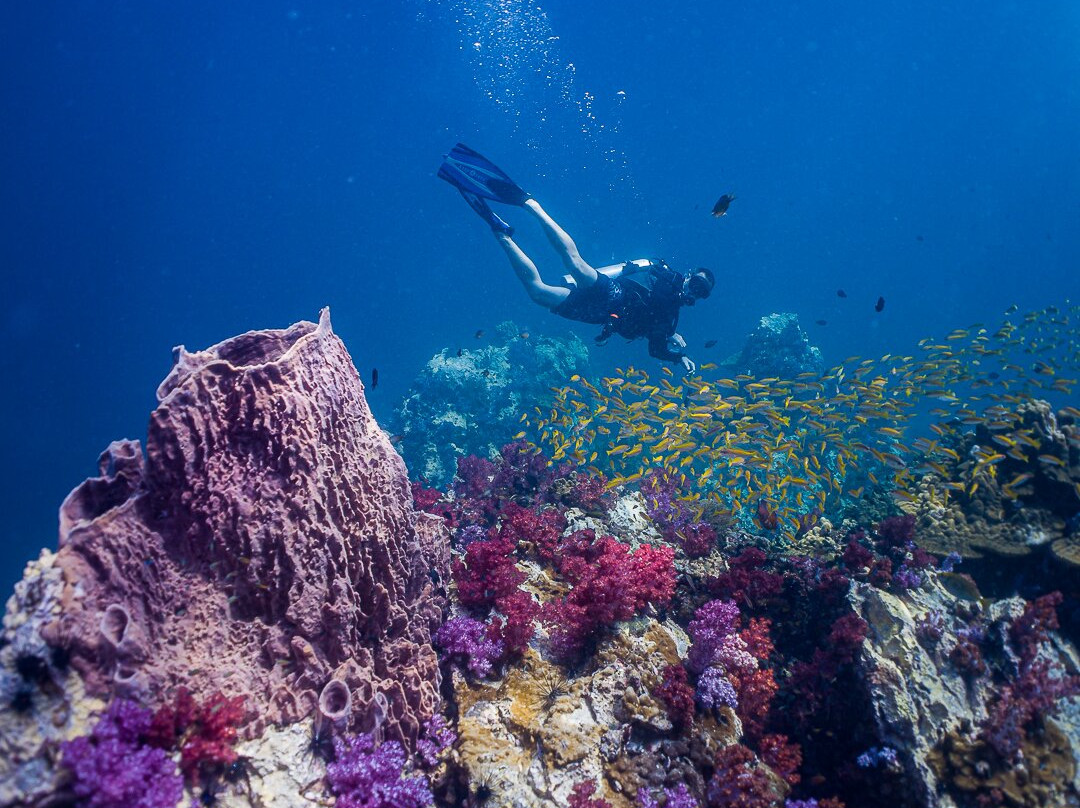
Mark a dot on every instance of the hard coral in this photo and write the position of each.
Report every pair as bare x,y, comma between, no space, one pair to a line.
365,777
113,767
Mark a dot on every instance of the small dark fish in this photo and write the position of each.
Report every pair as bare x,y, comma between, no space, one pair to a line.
374,378
919,238
479,333
880,304
722,204
993,374
841,293
459,351
396,439
1011,309
710,343
523,335
822,322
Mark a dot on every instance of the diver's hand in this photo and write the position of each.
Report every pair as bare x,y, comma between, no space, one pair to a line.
688,363
677,340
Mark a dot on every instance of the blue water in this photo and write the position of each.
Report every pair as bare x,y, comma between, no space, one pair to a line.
177,174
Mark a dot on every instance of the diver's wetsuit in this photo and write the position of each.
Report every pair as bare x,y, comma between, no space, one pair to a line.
632,309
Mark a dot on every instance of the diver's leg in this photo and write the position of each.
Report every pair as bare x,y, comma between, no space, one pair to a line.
582,272
542,293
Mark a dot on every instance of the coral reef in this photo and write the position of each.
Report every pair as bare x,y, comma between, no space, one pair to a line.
469,401
777,347
1005,496
264,546
250,614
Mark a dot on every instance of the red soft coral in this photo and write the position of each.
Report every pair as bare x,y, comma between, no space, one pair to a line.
746,581
204,733
739,781
757,638
677,695
755,690
782,756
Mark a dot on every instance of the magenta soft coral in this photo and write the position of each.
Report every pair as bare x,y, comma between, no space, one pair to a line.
487,572
1041,685
608,583
542,529
581,796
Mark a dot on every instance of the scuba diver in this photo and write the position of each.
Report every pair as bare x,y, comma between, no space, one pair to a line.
636,299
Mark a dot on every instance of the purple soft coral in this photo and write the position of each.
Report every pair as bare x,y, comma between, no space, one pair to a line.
678,797
712,624
437,738
365,777
467,639
715,690
113,768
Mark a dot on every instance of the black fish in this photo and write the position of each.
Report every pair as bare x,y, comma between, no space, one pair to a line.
841,293
822,322
459,351
374,378
722,204
710,343
479,333
880,304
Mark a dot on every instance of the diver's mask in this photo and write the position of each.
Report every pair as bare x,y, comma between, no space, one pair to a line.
699,285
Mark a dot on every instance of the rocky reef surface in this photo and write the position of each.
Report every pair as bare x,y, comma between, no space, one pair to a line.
469,401
265,547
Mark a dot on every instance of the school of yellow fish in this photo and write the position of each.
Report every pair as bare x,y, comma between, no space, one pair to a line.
803,446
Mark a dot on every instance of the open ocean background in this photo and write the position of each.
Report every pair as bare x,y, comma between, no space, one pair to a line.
180,173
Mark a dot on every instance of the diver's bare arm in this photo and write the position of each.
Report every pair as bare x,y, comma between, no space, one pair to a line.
560,239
